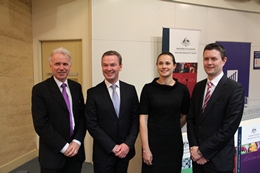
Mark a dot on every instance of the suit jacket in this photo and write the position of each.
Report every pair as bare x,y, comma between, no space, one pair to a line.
213,131
51,121
104,125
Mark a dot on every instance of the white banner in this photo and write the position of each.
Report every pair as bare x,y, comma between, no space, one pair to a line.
184,44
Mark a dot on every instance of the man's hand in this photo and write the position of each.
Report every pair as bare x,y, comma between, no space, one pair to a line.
195,154
72,149
121,150
202,161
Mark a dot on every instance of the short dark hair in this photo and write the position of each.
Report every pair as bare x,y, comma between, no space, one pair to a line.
218,47
113,52
167,53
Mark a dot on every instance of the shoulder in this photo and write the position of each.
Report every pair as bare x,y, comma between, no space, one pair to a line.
230,82
183,88
74,83
148,85
181,85
201,83
99,86
148,88
43,84
126,87
124,84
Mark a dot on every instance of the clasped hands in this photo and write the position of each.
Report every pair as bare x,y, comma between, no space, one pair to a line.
197,156
72,150
121,150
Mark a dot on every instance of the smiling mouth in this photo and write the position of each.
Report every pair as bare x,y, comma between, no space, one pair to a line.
109,74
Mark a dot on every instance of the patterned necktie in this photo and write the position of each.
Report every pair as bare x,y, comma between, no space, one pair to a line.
115,99
66,98
206,99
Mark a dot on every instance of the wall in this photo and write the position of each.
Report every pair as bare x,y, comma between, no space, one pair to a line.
16,76
240,5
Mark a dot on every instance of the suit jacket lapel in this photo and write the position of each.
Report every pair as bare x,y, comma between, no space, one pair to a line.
104,92
215,95
201,89
56,94
73,93
122,99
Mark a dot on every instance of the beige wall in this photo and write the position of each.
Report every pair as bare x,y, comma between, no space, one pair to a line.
16,76
241,5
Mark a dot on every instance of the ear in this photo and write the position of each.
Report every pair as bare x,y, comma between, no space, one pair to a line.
224,61
120,67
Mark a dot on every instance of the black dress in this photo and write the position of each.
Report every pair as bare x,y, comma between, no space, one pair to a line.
164,104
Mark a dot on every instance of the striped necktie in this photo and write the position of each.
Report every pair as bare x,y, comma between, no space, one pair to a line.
207,97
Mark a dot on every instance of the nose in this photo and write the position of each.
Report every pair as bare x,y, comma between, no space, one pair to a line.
109,67
163,65
209,61
61,66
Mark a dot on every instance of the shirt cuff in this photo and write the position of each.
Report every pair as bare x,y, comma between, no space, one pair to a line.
64,148
78,142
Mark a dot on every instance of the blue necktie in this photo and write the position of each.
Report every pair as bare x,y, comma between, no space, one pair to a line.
115,99
66,98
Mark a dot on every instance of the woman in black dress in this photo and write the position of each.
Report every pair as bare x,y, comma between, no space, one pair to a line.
164,105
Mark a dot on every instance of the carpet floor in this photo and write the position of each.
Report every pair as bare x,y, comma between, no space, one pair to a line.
33,167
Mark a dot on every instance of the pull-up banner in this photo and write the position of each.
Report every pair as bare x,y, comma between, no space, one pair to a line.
183,44
237,66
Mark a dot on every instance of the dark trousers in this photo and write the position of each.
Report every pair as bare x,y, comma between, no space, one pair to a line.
118,167
72,165
196,168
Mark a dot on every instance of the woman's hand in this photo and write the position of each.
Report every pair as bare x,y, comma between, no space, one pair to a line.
147,157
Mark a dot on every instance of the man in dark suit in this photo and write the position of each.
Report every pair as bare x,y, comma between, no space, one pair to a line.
114,131
60,125
212,123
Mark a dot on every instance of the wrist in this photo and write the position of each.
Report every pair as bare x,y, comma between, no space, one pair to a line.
144,151
199,153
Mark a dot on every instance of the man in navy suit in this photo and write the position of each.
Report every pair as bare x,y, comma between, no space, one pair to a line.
114,132
211,126
61,128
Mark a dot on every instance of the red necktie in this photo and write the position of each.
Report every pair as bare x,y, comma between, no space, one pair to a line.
206,99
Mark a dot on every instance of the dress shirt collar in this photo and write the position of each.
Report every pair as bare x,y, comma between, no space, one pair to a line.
109,84
216,80
59,83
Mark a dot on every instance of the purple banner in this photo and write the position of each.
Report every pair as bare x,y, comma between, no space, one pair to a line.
250,162
238,63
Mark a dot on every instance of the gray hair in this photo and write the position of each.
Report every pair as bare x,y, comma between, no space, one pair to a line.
62,51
